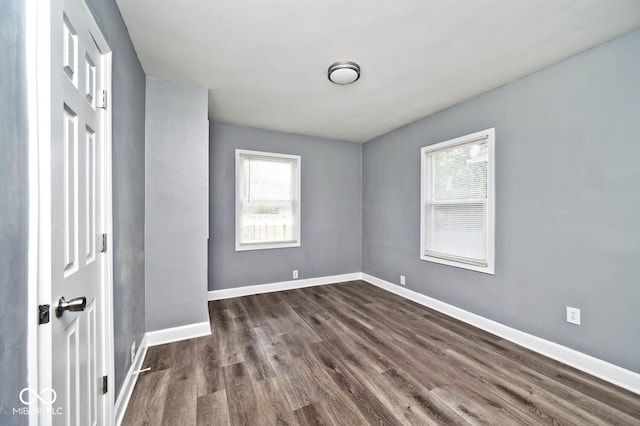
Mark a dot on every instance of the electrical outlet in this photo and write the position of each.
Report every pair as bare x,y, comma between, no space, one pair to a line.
573,315
295,274
133,351
402,280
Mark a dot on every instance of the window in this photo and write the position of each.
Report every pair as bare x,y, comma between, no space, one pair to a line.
267,200
457,205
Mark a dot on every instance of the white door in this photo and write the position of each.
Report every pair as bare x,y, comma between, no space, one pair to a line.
78,220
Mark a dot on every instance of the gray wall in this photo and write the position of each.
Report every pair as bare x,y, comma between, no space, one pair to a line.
13,210
331,209
567,174
177,203
128,184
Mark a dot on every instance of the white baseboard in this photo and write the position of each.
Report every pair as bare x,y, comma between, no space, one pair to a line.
175,334
280,286
130,381
596,367
154,338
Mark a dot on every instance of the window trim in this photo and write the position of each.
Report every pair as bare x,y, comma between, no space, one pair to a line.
297,209
489,134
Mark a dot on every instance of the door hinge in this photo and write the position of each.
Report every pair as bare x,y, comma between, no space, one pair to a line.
103,243
102,99
43,314
105,384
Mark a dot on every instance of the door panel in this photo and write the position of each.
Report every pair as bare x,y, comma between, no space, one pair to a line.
72,372
92,376
90,196
70,196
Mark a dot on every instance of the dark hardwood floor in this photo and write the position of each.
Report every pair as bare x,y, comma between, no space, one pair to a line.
353,354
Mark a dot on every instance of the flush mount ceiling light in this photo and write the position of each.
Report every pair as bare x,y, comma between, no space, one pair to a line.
343,72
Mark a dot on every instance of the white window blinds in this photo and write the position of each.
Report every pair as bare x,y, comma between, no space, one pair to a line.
458,201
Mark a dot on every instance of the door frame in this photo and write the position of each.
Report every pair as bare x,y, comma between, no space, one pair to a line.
41,98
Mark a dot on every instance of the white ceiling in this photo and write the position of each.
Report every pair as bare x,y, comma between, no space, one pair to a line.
265,61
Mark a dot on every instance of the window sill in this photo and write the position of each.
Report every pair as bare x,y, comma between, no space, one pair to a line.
266,246
484,269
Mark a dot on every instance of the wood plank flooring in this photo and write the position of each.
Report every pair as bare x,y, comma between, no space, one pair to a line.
353,354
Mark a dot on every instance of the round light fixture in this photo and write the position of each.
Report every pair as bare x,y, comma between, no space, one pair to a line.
344,72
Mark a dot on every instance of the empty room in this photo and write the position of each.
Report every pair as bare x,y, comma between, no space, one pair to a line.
319,212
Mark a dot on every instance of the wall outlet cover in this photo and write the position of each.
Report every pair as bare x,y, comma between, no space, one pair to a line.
133,350
403,281
295,274
573,315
